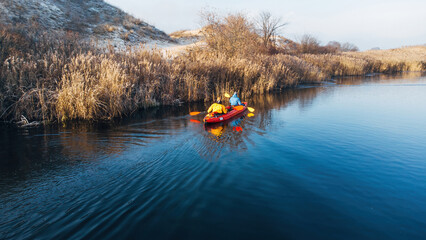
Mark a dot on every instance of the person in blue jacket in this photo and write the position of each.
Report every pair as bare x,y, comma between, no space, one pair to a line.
235,100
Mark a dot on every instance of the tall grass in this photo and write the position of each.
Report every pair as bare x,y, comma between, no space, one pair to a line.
45,77
395,60
31,66
93,87
360,63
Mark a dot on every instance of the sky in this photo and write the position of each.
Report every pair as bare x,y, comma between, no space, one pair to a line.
367,24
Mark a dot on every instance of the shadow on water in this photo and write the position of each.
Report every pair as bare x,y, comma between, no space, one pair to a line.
26,150
23,148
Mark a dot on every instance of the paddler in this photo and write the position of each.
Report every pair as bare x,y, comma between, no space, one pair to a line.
235,100
217,108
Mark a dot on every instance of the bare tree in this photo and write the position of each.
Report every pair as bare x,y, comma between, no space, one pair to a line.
309,44
335,45
342,47
268,28
349,47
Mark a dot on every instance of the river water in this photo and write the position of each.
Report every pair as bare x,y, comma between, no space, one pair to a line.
345,160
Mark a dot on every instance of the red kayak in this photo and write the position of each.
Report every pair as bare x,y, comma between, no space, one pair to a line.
234,112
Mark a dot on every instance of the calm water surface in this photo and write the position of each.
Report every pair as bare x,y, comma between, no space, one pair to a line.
346,160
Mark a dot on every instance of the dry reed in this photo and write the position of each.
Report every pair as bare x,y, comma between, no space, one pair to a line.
59,78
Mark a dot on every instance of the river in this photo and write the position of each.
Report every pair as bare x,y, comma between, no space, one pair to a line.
344,160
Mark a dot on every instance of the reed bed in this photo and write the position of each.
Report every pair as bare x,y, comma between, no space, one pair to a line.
59,78
395,60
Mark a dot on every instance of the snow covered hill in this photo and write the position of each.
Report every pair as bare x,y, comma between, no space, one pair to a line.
92,19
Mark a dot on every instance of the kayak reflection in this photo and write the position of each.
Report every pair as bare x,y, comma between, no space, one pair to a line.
233,124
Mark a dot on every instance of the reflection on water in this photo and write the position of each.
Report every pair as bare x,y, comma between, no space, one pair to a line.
218,128
409,77
351,155
26,149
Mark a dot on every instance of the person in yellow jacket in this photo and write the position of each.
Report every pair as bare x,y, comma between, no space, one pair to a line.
217,108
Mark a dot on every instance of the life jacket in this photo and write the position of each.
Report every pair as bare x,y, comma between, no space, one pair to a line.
217,108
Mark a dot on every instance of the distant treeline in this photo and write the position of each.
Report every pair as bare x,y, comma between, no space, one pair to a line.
57,77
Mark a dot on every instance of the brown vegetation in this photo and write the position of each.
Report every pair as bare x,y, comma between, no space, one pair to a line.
232,35
57,78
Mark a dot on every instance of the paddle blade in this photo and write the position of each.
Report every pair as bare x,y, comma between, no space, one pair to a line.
250,115
194,113
250,109
194,121
227,95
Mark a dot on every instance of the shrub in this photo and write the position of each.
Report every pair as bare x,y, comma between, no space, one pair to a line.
335,46
231,35
310,45
125,36
109,28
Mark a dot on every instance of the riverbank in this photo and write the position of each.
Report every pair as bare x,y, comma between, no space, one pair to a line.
59,78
